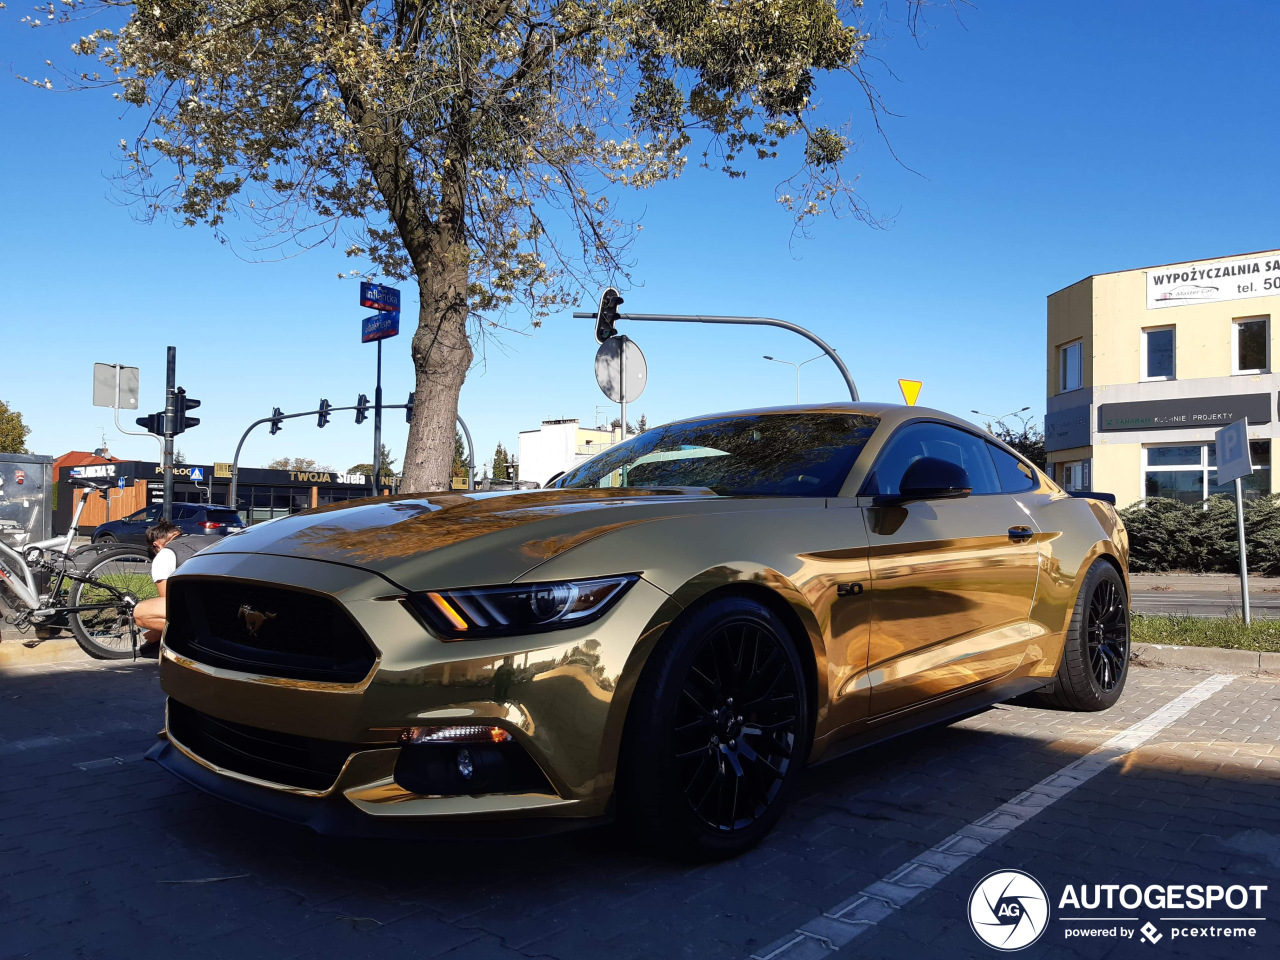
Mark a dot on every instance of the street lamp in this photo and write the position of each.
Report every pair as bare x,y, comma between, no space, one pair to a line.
792,363
1000,419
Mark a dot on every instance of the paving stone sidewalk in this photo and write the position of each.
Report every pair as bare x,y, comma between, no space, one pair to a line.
105,855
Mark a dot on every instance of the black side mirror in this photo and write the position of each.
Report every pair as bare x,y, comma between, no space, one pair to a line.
930,478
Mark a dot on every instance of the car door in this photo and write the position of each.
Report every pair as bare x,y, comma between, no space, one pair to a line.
952,580
133,529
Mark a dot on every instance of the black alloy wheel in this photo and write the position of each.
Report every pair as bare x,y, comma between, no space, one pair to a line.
718,731
1095,650
736,724
1107,634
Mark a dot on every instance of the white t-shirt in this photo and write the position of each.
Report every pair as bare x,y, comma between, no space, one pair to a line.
162,567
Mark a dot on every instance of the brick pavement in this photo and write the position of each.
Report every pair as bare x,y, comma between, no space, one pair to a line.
109,859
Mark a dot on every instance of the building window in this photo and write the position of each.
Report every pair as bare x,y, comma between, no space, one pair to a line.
1158,353
1188,472
1070,367
1251,352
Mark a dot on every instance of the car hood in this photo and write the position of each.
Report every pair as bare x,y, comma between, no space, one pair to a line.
454,539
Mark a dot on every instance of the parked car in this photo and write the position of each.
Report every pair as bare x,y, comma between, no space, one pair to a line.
667,636
195,519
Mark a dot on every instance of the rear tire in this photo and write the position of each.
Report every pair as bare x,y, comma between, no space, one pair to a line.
104,634
1095,657
717,733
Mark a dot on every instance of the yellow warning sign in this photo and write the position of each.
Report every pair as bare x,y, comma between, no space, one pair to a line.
910,391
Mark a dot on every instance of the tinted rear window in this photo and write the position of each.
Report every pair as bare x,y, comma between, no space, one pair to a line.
1015,476
224,516
779,455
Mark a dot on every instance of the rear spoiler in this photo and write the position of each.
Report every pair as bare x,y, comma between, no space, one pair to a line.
1091,495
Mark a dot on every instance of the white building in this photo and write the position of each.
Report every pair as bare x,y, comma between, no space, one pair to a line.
557,446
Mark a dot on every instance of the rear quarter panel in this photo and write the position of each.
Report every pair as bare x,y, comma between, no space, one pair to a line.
1075,532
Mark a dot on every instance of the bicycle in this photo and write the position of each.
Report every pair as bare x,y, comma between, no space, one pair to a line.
95,588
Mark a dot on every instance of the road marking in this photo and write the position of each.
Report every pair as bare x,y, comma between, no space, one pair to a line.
109,761
846,920
10,747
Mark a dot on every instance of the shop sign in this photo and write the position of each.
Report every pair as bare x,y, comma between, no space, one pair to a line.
1068,428
1236,279
1184,413
300,476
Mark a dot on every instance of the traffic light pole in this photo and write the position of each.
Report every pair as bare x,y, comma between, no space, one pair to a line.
748,321
235,463
377,423
170,417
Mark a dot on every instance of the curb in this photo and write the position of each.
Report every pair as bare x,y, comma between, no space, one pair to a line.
57,650
1219,659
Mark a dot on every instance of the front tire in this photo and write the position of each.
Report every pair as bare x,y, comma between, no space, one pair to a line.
106,540
104,634
717,733
1095,657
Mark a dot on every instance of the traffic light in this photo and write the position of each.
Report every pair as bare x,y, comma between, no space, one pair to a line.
181,404
607,314
152,423
277,420
408,410
362,409
323,416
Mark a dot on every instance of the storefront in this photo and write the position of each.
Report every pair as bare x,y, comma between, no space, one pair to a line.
261,494
1145,365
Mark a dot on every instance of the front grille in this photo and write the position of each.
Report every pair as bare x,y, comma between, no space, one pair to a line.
267,630
276,757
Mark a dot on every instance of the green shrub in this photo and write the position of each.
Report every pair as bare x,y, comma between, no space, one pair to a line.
1172,535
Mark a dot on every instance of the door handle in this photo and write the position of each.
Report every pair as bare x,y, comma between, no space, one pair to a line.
1021,534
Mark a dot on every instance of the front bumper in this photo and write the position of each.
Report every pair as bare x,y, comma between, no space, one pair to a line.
562,696
333,816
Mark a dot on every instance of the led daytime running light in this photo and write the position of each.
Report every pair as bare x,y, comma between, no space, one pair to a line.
463,733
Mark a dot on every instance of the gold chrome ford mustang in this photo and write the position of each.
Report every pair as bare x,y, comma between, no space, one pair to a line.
667,635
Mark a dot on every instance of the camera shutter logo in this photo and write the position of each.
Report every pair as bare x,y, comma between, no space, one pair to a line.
1008,910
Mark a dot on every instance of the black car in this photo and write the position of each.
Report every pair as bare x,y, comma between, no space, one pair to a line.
193,519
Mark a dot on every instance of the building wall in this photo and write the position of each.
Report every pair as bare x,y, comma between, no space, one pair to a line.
557,446
1109,312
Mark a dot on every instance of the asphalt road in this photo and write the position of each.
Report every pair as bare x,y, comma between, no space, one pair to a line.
103,854
1203,595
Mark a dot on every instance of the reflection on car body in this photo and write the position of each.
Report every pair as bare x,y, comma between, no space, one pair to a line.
668,635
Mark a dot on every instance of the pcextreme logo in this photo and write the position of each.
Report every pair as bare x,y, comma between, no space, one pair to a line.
1009,910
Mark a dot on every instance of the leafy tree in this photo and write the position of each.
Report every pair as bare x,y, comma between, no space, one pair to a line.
473,148
642,424
1027,438
500,463
388,465
460,463
616,422
13,432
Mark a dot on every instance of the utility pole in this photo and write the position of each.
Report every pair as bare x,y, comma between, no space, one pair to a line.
170,417
377,421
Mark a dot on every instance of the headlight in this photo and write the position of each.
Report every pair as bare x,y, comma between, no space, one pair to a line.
474,612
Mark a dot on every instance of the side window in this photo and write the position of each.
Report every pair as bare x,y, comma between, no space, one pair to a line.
1015,476
185,513
140,517
931,440
153,513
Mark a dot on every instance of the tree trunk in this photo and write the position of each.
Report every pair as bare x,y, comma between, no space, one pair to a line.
441,358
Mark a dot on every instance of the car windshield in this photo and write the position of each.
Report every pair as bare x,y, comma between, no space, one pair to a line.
777,455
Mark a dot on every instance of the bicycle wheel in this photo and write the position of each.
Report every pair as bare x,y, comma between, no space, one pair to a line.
104,634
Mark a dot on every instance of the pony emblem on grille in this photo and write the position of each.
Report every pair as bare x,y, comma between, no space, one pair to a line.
253,619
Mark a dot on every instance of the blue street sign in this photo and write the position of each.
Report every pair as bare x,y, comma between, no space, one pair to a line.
197,473
120,483
379,297
380,326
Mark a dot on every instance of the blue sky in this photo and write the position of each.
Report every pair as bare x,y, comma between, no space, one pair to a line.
1051,141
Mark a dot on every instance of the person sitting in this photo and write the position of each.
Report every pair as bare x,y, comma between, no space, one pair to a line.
151,615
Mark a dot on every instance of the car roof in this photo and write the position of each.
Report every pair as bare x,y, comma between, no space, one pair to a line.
889,413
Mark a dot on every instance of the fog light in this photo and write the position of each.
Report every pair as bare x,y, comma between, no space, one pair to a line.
464,763
462,733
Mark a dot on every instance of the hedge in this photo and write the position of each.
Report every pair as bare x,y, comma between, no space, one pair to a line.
1171,535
